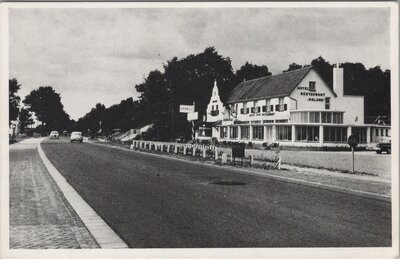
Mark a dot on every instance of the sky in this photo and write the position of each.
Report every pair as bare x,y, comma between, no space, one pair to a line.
94,56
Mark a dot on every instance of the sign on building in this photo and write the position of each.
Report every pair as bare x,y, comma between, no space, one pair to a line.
192,116
186,108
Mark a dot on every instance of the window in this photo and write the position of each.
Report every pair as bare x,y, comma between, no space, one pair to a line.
212,107
326,117
258,132
285,107
253,109
335,134
284,132
311,86
223,132
277,108
387,132
264,108
244,132
271,108
304,117
216,107
268,132
307,133
327,103
382,133
360,133
233,132
258,109
377,132
314,117
337,118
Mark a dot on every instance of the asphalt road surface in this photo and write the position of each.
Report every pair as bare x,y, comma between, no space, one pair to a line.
155,202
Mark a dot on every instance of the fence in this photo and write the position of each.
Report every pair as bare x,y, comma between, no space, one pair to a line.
200,150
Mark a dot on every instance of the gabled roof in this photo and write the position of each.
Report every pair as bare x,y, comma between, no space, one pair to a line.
268,87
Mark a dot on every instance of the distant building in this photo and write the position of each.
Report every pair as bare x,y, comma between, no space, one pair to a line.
295,108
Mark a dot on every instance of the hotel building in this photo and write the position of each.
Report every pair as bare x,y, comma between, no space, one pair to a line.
295,108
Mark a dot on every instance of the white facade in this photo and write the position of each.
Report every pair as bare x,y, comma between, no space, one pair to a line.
310,114
215,109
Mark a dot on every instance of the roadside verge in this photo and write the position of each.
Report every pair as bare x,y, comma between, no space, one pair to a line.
100,230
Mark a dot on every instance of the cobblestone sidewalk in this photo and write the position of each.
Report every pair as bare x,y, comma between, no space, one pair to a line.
40,216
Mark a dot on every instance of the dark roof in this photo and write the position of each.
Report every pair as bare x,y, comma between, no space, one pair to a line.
268,87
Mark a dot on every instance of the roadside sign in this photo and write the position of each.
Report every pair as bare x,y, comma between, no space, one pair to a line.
353,141
186,108
238,150
192,116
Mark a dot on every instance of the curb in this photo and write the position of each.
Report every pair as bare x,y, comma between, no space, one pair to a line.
98,228
369,195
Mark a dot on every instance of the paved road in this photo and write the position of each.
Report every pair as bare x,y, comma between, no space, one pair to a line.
157,202
40,217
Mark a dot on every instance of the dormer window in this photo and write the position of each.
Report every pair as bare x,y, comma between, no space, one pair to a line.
311,86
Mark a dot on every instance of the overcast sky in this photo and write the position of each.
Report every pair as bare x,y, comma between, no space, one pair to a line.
98,55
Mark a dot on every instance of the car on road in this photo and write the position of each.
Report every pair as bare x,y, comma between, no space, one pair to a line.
54,135
383,147
76,136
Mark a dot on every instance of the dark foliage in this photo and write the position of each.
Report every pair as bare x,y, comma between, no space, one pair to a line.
25,119
13,99
293,66
47,106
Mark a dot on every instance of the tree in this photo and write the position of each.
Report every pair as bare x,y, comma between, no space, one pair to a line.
324,69
91,120
47,106
13,99
25,119
292,66
249,71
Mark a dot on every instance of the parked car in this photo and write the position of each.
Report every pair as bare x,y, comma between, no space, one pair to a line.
76,136
383,147
54,135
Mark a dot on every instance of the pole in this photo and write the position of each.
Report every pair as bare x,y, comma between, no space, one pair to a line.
194,109
352,152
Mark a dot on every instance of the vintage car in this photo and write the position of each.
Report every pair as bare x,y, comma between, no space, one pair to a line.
383,147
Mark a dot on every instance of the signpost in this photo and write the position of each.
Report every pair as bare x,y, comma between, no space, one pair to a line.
192,116
353,142
186,108
238,151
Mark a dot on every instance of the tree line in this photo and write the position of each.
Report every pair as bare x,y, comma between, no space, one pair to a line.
42,104
187,80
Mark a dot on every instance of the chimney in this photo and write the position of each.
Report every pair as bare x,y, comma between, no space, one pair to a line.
338,80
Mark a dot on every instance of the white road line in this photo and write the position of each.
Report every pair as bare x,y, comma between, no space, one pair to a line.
100,230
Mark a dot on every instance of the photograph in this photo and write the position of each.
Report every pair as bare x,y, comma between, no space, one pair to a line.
199,130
